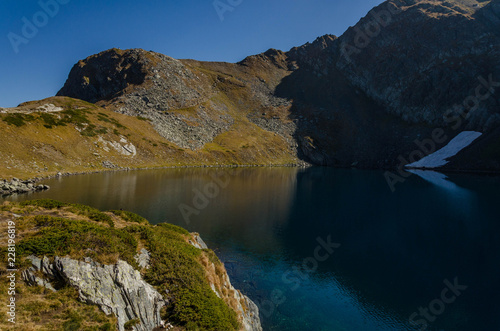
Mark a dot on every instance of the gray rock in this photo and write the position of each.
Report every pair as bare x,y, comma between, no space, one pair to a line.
117,289
143,258
198,242
15,186
30,274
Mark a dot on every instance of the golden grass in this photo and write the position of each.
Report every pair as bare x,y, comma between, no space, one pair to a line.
33,150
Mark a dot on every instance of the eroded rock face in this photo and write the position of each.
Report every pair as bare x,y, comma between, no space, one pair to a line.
117,289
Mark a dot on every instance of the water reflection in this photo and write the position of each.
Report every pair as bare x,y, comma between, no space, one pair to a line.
396,248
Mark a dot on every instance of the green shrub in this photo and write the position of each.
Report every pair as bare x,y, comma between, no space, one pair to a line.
92,213
45,203
106,327
77,117
176,267
175,264
50,120
60,236
17,119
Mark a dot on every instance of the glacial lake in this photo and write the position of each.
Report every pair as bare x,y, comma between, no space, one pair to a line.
329,249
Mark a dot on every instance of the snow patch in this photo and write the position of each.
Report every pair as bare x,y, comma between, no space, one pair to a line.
440,158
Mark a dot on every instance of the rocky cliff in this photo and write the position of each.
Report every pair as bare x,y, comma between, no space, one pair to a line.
87,269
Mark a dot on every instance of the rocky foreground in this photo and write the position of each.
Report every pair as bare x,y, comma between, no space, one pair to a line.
85,269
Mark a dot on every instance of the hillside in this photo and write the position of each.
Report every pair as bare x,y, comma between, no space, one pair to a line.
76,136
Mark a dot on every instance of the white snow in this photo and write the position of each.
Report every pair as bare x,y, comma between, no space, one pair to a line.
439,158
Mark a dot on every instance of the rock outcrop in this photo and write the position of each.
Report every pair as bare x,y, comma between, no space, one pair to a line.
117,289
16,186
120,290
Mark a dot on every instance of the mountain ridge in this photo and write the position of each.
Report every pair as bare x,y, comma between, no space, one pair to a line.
366,99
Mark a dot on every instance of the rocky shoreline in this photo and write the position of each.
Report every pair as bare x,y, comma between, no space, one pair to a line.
17,186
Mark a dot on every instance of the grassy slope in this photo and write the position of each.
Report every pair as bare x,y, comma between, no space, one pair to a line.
33,149
50,228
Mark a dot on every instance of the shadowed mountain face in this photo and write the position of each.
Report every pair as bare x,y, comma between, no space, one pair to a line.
408,67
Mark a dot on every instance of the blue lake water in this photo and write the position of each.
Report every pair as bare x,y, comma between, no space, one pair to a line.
429,250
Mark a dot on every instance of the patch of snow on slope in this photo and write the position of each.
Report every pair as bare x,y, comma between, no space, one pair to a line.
439,158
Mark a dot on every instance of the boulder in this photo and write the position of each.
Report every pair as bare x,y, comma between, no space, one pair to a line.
117,289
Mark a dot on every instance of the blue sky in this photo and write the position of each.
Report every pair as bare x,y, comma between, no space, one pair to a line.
34,64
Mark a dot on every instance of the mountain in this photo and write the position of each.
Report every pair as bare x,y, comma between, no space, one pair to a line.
400,84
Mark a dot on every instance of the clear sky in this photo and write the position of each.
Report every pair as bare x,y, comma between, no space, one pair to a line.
41,40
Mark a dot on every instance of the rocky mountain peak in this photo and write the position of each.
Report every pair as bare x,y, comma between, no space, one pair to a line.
102,76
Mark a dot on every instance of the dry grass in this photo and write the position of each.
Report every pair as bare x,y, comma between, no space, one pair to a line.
34,150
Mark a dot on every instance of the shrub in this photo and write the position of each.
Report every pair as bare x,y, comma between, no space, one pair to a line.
45,203
59,236
17,119
176,267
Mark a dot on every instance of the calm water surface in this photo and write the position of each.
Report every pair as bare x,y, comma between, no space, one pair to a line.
396,249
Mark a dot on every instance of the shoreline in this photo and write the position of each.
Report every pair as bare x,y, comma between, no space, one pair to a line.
303,165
